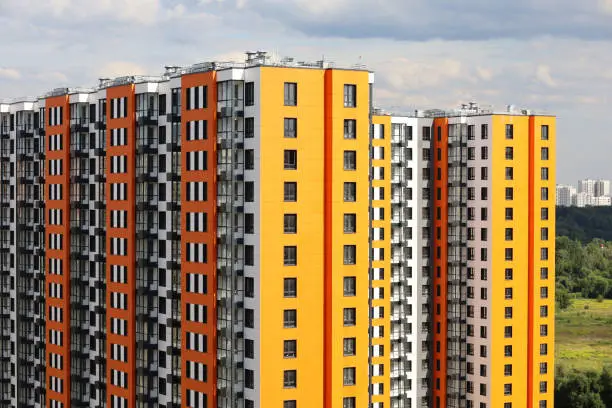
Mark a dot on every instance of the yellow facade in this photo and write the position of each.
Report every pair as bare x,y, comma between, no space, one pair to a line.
309,238
525,264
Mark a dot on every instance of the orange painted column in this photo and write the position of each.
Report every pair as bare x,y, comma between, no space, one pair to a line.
129,233
440,259
531,271
209,269
62,254
327,242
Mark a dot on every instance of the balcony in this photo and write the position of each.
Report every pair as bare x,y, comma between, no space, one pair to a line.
79,125
147,118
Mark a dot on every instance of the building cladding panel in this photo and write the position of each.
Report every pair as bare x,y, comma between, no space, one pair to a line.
258,235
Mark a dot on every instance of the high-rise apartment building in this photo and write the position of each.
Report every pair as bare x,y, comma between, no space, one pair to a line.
565,195
257,235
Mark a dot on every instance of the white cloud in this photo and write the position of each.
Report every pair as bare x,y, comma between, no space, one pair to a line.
121,68
9,73
53,76
605,6
543,76
410,74
484,74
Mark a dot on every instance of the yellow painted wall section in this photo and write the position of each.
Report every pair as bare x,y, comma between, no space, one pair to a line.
539,243
335,116
519,264
385,264
309,238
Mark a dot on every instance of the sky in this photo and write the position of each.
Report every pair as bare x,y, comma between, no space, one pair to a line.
546,55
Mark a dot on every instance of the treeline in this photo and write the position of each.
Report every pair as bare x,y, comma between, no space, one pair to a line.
585,224
583,389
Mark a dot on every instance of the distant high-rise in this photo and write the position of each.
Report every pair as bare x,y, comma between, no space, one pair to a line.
601,188
565,195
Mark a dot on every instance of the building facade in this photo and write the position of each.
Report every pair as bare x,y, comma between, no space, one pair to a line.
257,235
566,195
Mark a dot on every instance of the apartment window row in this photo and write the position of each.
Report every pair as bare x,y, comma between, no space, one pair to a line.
197,222
119,107
56,384
119,353
119,246
56,216
118,137
119,378
56,314
56,404
118,164
197,342
119,326
119,300
56,191
118,273
197,313
56,361
197,97
56,266
118,402
119,219
56,116
197,160
196,399
197,130
197,283
56,142
56,337
196,252
56,241
196,371
118,191
197,191
56,167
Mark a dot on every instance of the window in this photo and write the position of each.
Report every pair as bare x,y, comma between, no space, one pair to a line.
544,173
543,330
350,286
290,287
544,193
249,287
509,234
290,349
349,376
507,389
249,348
350,96
290,255
543,349
544,132
509,153
544,273
249,318
350,344
509,173
290,158
507,370
509,131
508,332
350,223
509,193
350,128
509,254
350,316
508,312
484,153
249,191
290,191
249,128
543,368
249,379
290,128
484,132
290,379
544,214
508,293
544,234
290,223
544,292
508,274
350,192
543,254
289,404
290,94
249,159
348,402
544,153
350,254
509,214
543,387
249,94
508,351
350,160
290,318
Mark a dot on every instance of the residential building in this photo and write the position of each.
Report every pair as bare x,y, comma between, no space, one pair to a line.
565,195
601,188
257,235
586,186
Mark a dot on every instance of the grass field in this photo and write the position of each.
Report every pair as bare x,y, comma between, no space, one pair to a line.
584,334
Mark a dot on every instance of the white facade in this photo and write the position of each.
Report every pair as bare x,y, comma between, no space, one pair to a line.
565,195
586,186
602,188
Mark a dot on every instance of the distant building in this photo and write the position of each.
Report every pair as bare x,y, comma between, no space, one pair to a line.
586,186
565,194
602,188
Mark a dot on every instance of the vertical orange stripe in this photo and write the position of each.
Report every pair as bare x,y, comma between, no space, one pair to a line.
129,205
327,242
209,269
63,254
531,271
442,261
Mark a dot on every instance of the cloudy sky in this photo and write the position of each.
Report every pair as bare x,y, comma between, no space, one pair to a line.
551,55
